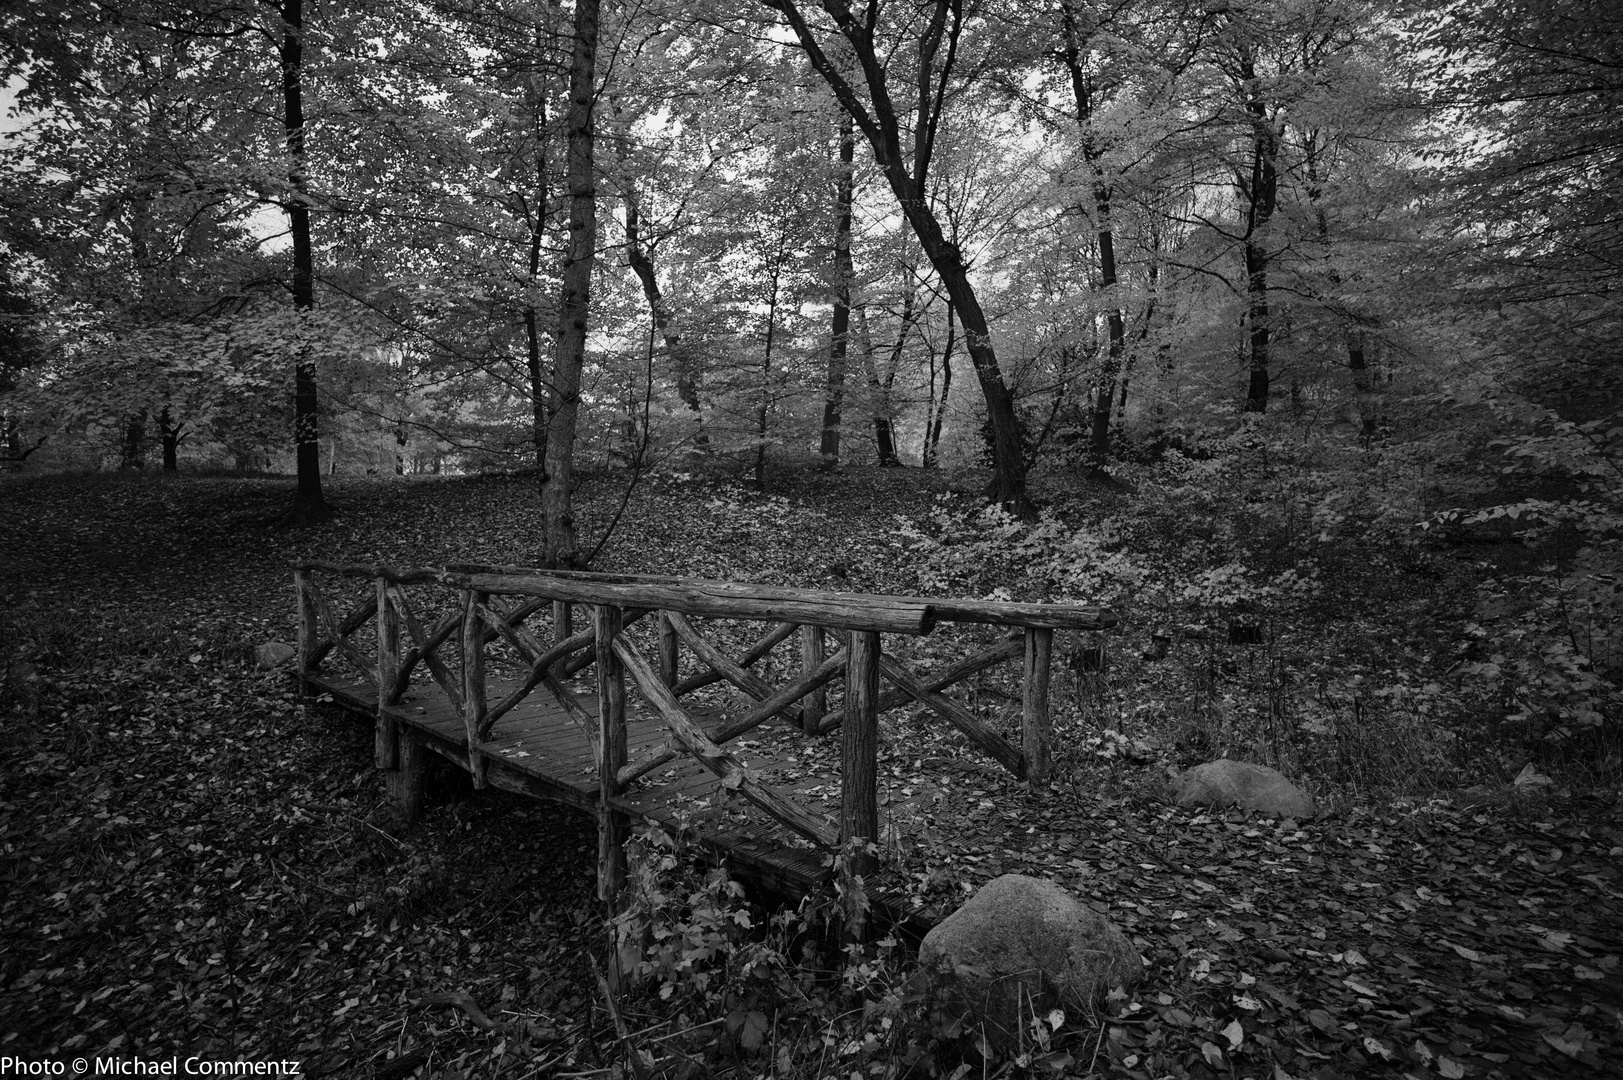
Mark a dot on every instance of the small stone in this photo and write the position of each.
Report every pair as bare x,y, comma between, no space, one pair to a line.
273,654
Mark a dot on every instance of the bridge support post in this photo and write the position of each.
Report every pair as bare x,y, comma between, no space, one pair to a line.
859,760
406,779
1036,726
612,824
473,682
814,704
309,628
386,745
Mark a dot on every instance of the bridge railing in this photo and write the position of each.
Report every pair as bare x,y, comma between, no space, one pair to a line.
452,621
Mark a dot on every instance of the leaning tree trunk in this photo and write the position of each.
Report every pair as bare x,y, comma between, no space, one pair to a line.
540,392
562,547
309,505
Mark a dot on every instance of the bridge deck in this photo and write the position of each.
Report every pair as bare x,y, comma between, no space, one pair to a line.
537,750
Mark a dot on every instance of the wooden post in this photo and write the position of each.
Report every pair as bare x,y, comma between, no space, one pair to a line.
667,650
1036,726
814,704
563,622
473,681
611,748
859,747
406,781
385,751
309,628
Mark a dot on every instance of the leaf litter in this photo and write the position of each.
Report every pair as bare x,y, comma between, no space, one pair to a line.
195,863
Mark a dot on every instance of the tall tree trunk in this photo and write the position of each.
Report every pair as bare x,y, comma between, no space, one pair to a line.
883,129
884,435
764,402
309,504
557,507
844,273
1100,189
1261,195
1354,339
540,389
932,430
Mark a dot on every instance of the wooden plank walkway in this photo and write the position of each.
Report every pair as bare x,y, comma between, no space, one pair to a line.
537,750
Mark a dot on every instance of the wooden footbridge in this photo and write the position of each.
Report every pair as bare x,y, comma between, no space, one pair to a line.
448,660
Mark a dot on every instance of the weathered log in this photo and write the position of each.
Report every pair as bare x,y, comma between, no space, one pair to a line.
611,755
1036,727
1007,649
815,703
854,611
424,649
386,741
1037,616
692,596
734,776
768,641
752,684
473,682
859,749
821,676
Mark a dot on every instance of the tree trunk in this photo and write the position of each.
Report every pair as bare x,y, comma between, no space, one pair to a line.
763,404
171,440
932,431
883,130
309,504
540,392
562,547
1104,393
132,453
844,273
682,360
1261,195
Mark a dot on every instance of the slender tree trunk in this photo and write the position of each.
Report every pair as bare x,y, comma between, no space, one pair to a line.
1261,195
683,363
309,504
1354,339
171,440
540,391
1082,92
844,273
879,405
132,454
562,547
764,403
932,432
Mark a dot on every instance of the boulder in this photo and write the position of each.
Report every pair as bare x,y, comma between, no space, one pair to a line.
1241,783
273,654
1023,946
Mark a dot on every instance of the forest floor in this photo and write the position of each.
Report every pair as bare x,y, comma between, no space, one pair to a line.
193,863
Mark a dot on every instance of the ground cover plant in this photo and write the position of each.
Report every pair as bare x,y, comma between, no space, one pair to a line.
197,863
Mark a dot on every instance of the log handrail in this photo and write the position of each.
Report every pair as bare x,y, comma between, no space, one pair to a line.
879,612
